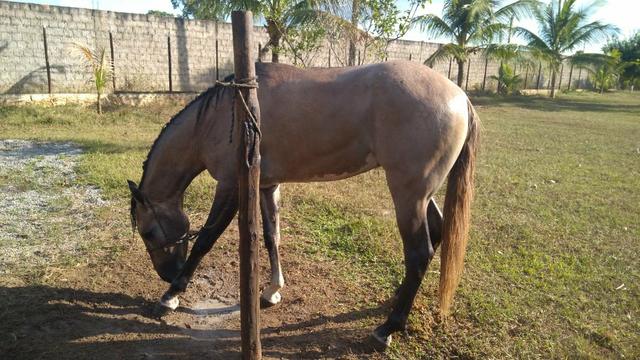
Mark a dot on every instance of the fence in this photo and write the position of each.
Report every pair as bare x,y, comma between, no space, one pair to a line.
155,54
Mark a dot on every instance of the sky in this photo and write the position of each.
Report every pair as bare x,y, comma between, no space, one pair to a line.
621,13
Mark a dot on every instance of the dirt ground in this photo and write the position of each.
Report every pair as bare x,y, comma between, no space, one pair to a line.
103,309
106,312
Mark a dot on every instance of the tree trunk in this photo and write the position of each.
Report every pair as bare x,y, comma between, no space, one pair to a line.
460,72
355,19
99,104
274,40
553,84
275,50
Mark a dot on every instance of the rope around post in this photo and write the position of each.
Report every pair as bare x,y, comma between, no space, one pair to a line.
238,85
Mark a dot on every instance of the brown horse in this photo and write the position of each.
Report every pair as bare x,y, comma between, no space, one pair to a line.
321,125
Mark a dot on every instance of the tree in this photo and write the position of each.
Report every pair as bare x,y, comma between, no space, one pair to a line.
561,29
375,24
470,24
282,17
100,68
160,13
629,54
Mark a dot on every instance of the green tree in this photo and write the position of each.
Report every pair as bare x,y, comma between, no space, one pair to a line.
373,24
160,13
470,25
282,17
562,28
630,54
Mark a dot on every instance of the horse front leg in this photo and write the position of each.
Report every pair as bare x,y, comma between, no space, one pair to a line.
223,210
269,198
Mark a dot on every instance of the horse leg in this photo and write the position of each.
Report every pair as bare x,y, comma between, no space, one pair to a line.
269,198
411,203
223,210
434,220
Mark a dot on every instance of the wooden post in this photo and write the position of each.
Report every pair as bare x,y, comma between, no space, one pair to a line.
217,68
46,58
169,57
259,52
484,78
409,56
329,57
570,75
579,77
561,73
248,183
466,84
113,63
449,74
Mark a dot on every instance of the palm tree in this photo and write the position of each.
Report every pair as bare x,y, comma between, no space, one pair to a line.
100,67
470,24
280,15
563,28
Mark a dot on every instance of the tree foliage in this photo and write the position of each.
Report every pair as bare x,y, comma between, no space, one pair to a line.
288,22
630,55
562,28
470,25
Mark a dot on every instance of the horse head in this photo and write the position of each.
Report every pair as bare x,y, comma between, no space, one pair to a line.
164,229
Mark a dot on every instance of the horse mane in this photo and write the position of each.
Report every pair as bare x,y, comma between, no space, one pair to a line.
215,92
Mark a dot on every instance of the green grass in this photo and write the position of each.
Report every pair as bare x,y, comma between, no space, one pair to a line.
556,223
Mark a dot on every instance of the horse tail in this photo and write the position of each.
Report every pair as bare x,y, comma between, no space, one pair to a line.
457,214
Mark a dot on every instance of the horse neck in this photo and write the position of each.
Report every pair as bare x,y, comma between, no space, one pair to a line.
174,160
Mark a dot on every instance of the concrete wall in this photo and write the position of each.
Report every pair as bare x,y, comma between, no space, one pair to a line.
141,51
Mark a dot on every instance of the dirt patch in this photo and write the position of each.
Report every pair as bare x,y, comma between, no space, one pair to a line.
103,309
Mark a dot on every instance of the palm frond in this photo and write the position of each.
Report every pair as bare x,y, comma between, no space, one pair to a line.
446,51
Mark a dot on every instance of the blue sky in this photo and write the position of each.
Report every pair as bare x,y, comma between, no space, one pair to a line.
622,13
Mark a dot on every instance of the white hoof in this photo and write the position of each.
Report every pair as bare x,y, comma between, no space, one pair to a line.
171,303
273,298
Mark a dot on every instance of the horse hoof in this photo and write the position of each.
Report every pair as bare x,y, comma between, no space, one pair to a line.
160,310
380,342
265,304
269,301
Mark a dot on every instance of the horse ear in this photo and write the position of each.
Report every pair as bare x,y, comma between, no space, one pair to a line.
135,192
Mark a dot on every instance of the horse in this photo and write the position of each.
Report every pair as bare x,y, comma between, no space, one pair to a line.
320,124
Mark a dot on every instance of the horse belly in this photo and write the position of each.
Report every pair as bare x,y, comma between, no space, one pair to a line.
310,166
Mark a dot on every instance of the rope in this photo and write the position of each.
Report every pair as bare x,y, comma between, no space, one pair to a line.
237,85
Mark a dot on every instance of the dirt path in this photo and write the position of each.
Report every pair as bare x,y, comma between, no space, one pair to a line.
102,308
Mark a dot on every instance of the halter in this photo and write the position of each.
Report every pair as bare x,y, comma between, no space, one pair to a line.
188,236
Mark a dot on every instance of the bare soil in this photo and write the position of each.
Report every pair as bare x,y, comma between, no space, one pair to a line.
106,312
103,308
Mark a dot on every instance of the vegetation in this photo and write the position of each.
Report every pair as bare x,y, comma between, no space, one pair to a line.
100,67
470,25
160,13
507,80
285,20
551,271
629,50
562,28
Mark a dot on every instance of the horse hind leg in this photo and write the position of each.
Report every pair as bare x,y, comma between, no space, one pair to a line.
413,208
269,198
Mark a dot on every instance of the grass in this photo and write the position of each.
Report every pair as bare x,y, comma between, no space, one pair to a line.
552,268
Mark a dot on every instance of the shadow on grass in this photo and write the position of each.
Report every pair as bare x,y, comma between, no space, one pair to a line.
64,323
554,105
